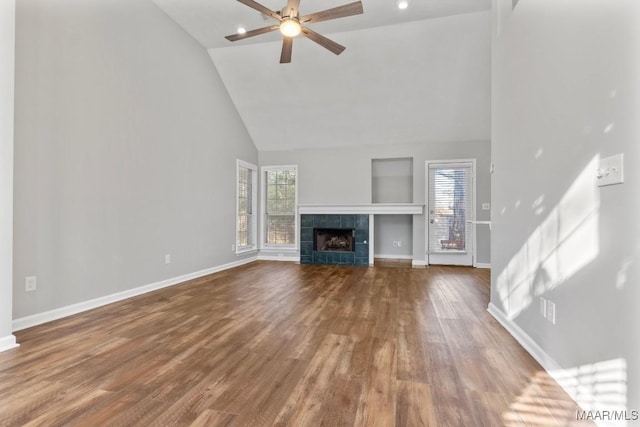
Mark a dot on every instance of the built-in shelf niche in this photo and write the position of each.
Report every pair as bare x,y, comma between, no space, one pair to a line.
392,180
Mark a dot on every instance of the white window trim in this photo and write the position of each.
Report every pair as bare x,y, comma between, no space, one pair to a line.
254,202
263,201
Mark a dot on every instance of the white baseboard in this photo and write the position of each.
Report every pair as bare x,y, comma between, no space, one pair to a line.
58,313
524,339
278,258
417,263
8,342
392,256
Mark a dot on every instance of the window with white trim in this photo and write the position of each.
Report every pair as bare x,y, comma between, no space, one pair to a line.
280,198
246,207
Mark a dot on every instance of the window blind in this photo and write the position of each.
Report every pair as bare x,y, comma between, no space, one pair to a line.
246,220
450,206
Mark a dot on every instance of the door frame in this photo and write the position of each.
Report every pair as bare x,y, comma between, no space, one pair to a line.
474,188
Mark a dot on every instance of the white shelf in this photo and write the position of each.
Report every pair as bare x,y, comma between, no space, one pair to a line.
371,209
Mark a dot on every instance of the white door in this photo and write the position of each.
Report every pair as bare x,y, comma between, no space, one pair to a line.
450,200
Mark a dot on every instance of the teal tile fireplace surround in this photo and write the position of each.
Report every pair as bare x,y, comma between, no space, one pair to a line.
309,223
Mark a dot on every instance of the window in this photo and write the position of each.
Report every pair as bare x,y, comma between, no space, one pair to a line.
246,204
279,201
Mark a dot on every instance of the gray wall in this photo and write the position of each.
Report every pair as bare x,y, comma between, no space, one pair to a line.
343,176
7,43
126,142
390,228
566,92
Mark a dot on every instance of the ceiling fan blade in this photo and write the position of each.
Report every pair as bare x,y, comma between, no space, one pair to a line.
236,37
323,41
292,7
350,9
262,9
287,47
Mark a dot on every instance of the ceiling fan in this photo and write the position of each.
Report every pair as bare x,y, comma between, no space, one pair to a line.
291,24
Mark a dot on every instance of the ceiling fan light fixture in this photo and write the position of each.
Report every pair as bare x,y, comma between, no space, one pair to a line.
241,30
402,4
289,23
290,27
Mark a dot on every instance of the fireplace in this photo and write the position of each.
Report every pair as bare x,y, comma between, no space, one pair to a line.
334,239
340,239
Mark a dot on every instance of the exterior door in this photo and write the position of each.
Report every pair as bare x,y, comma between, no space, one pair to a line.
450,199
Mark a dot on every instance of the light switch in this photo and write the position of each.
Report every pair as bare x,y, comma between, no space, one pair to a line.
610,170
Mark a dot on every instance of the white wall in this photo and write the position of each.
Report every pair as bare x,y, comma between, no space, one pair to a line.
126,146
7,43
426,80
343,176
566,92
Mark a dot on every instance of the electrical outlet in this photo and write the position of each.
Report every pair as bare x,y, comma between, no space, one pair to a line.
233,248
395,243
486,206
30,284
551,312
399,243
543,307
167,259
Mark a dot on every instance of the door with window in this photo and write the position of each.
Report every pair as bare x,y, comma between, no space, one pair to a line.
450,210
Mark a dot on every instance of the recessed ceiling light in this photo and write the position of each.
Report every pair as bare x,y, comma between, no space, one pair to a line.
403,4
241,30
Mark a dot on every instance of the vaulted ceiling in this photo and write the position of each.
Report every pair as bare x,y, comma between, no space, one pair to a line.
416,75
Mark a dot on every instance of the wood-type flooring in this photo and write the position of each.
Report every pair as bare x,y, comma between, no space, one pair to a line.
282,344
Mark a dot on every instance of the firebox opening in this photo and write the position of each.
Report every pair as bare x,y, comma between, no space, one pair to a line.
334,239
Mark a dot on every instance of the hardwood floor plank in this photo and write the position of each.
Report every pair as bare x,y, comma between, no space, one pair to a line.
211,418
101,413
377,406
412,359
340,406
34,409
139,411
304,404
267,394
386,324
274,343
415,405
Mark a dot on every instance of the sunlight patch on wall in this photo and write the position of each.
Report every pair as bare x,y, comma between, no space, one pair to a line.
600,388
542,403
565,241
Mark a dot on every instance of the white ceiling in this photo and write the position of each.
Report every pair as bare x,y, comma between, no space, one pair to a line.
422,74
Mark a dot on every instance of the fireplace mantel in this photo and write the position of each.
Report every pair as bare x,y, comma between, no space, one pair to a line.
372,209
